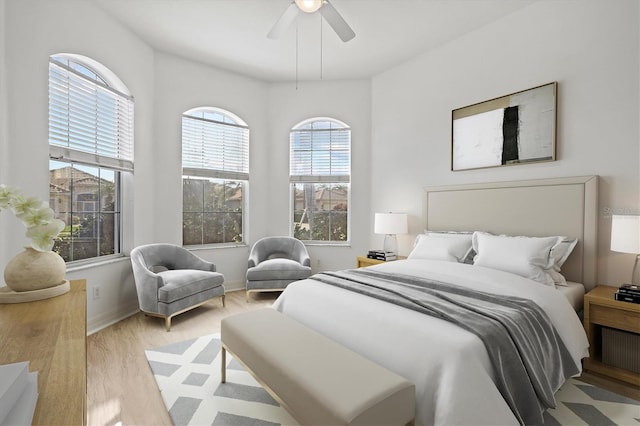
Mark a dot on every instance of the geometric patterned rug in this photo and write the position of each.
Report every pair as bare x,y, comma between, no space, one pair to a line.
188,376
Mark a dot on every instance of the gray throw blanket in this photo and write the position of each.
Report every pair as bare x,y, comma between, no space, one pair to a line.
529,359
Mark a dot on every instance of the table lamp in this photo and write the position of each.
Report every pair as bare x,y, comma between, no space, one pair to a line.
625,238
390,224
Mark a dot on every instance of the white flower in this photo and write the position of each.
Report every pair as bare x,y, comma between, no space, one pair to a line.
36,215
23,206
42,236
7,194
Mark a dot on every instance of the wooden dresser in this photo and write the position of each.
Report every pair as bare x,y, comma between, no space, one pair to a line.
52,335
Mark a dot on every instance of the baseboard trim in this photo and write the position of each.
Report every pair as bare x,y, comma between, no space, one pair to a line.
235,286
107,319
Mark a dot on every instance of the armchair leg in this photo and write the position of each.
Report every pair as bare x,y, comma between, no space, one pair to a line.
223,367
223,305
167,323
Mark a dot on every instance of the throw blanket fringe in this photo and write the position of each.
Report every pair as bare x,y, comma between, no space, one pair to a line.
529,358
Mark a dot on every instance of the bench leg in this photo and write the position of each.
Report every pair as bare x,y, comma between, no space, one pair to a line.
223,367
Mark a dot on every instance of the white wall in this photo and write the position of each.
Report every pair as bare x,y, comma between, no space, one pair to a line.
589,47
34,30
4,143
400,124
180,86
163,86
348,101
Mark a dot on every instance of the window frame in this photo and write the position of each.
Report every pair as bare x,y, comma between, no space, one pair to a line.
338,179
120,164
239,170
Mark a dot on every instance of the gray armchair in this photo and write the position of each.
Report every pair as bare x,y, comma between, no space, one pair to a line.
275,262
171,280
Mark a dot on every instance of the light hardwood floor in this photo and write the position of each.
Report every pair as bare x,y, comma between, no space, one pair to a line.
121,389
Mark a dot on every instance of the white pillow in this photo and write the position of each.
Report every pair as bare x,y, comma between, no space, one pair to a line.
452,247
557,278
560,253
562,250
470,253
529,257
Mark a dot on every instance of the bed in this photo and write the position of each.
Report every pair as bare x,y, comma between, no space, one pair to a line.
454,373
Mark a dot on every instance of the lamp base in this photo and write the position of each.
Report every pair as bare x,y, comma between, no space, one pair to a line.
390,244
635,275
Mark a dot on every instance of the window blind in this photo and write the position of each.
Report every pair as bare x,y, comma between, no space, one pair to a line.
89,122
214,148
320,152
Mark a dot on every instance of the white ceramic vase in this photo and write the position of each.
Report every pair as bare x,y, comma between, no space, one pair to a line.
35,270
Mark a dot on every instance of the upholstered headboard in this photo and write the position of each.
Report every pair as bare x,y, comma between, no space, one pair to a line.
561,206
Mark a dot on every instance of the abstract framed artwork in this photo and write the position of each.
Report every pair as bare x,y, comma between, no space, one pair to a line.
514,129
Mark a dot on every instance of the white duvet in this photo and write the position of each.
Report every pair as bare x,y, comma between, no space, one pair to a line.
449,366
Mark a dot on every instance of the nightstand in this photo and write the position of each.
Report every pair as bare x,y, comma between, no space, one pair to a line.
603,315
363,261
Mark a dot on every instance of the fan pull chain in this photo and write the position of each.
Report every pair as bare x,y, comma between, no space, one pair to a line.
296,55
320,47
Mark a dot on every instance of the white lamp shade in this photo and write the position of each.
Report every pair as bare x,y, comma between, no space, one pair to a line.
390,223
625,233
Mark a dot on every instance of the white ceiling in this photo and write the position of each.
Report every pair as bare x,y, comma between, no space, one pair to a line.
231,34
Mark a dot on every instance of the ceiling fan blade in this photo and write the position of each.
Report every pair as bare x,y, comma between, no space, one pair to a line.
335,20
284,22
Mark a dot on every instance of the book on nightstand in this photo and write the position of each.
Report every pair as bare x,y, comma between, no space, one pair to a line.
630,289
381,255
627,297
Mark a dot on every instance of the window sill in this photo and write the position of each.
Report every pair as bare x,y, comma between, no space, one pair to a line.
88,264
215,246
326,244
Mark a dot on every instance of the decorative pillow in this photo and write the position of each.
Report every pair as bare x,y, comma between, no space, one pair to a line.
529,257
452,247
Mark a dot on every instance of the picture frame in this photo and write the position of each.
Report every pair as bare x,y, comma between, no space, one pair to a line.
518,128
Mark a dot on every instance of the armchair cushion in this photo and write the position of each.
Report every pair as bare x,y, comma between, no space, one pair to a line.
278,269
181,283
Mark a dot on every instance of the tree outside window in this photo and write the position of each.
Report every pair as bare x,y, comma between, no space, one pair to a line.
212,211
215,167
320,169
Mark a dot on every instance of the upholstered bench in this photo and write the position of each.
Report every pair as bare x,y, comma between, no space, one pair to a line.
317,380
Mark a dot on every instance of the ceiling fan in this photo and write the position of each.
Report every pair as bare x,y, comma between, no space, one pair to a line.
326,9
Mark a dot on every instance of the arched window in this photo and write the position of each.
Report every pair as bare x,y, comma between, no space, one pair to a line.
320,175
215,175
90,146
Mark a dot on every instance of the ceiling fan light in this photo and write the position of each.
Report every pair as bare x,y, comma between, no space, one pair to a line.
309,6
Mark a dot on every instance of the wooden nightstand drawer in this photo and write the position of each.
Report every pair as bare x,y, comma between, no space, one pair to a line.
615,318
